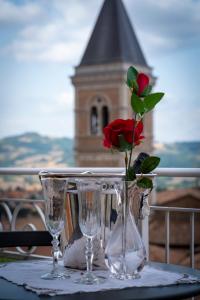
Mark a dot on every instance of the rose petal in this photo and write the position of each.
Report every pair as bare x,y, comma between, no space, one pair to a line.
143,82
122,127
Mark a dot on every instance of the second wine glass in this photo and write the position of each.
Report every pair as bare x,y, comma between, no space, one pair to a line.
89,196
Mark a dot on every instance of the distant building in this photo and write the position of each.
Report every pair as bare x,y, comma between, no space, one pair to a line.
100,91
180,234
188,198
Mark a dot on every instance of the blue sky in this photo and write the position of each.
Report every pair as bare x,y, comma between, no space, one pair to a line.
42,40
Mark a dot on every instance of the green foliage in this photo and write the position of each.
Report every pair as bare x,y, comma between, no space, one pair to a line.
131,77
151,100
131,174
149,164
146,91
146,165
145,183
137,104
143,106
124,145
135,85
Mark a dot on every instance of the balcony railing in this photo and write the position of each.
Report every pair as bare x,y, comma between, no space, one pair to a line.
160,172
167,172
167,211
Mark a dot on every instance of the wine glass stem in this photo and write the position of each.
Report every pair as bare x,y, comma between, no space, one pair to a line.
55,252
89,254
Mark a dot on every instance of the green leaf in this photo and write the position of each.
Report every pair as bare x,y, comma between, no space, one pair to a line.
149,164
131,78
146,91
124,145
129,83
131,74
131,174
151,100
135,85
145,183
137,104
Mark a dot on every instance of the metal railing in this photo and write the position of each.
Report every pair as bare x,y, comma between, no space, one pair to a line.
166,172
167,211
12,216
159,172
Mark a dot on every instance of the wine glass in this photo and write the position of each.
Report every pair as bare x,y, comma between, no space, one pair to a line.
54,194
89,193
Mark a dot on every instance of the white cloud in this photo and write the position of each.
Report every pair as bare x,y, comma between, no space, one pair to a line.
53,116
77,13
61,103
43,33
57,51
156,42
66,99
62,36
13,13
177,128
54,42
165,25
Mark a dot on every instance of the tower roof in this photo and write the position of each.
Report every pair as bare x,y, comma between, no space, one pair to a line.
113,38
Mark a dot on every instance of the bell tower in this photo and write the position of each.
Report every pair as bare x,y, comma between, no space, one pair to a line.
100,91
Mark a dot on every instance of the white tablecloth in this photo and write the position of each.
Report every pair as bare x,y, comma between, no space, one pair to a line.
28,274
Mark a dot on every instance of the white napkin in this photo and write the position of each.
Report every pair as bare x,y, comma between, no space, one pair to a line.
28,274
74,255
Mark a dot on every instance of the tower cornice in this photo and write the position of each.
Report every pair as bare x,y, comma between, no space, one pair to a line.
106,73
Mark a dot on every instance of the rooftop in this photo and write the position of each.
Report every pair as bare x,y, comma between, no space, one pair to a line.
113,38
169,196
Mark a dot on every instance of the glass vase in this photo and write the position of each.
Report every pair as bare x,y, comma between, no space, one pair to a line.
125,253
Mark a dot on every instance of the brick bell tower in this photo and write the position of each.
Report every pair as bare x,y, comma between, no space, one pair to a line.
100,91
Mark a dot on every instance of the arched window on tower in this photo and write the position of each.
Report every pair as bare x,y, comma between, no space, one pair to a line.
94,120
105,116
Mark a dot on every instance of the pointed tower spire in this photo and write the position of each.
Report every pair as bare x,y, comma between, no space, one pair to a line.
113,38
101,94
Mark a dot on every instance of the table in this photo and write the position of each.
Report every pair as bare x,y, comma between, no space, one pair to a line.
11,291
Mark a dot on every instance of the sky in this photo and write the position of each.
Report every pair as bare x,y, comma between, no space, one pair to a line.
41,41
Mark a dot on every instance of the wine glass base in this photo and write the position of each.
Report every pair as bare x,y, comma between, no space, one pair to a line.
55,275
90,278
124,276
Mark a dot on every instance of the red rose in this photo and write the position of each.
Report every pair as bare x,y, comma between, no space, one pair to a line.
125,128
143,82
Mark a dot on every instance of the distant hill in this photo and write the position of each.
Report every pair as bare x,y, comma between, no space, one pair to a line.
34,150
31,150
179,155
